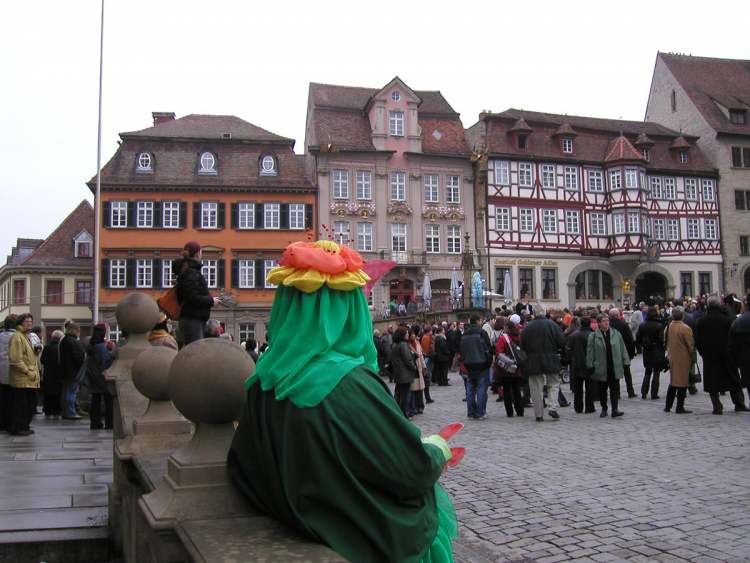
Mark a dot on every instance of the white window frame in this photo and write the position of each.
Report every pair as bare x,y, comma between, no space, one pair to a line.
454,239
432,238
245,215
209,215
246,274
618,223
118,273
210,271
709,189
711,229
340,184
341,232
364,237
145,162
646,154
634,222
631,178
598,224
660,229
144,214
396,96
571,178
596,181
502,173
525,174
272,216
502,219
207,163
655,187
268,170
396,123
615,179
669,189
452,188
268,265
170,214
549,177
167,279
549,221
399,237
83,239
364,185
572,222
673,229
297,216
118,214
526,218
144,273
567,145
432,188
245,331
693,228
683,154
398,185
691,189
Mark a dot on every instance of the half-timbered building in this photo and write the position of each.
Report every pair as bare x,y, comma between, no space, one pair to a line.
585,211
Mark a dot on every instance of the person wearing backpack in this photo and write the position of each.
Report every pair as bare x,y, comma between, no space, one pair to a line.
542,341
508,370
476,356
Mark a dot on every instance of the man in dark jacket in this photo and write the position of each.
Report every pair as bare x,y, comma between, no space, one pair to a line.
719,369
542,341
739,344
622,327
476,355
71,359
192,294
580,375
650,339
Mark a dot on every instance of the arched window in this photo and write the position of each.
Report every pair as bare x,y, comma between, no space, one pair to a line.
207,163
594,285
145,162
267,165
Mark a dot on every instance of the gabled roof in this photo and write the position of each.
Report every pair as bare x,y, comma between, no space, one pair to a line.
710,81
644,140
621,149
680,143
58,248
213,127
565,130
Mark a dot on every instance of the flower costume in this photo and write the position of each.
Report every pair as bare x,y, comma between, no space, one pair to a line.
321,445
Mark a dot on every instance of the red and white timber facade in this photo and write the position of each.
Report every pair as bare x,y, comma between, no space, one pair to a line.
584,211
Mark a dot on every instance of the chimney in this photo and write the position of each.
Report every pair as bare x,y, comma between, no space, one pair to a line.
162,117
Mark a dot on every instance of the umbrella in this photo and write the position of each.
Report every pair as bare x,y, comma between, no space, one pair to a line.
455,288
507,286
491,294
426,290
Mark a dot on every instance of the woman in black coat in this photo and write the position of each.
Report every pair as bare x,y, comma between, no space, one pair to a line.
403,368
719,369
52,376
650,339
192,294
98,359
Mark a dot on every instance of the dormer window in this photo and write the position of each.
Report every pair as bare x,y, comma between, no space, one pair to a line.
144,163
83,245
207,163
268,166
738,116
683,156
567,145
396,96
523,141
396,122
646,154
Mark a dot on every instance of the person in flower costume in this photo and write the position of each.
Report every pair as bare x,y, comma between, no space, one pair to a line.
321,444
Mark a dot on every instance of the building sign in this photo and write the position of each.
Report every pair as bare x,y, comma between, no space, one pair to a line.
525,262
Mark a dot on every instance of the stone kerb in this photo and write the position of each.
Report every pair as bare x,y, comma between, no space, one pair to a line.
206,384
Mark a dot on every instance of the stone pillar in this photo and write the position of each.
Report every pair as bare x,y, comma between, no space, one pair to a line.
206,384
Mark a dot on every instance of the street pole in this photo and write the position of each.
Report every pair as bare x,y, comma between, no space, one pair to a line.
97,197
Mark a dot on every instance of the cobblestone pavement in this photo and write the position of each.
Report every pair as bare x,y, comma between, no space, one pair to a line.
649,486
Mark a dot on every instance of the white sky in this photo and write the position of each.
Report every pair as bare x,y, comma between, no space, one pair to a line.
255,60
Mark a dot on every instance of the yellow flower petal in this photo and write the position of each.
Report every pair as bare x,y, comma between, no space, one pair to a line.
277,275
347,281
307,281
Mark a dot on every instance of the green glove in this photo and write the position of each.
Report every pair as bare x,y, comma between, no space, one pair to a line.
440,443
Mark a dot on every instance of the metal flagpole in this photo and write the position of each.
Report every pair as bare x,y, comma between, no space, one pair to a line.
97,198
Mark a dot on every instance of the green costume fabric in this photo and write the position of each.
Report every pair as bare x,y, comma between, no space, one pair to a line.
352,472
315,339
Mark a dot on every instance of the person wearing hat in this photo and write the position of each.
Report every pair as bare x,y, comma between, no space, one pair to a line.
98,360
192,293
159,335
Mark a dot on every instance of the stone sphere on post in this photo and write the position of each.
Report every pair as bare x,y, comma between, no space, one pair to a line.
151,372
137,313
207,380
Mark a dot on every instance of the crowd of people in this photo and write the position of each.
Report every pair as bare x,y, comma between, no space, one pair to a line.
524,353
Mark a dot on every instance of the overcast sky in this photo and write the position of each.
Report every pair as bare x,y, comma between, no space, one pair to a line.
255,60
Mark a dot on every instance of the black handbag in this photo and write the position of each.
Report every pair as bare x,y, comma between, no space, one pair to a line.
695,375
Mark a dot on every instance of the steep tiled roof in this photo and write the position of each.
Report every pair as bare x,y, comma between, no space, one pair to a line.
212,127
339,118
643,140
622,149
58,248
593,144
707,81
565,130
